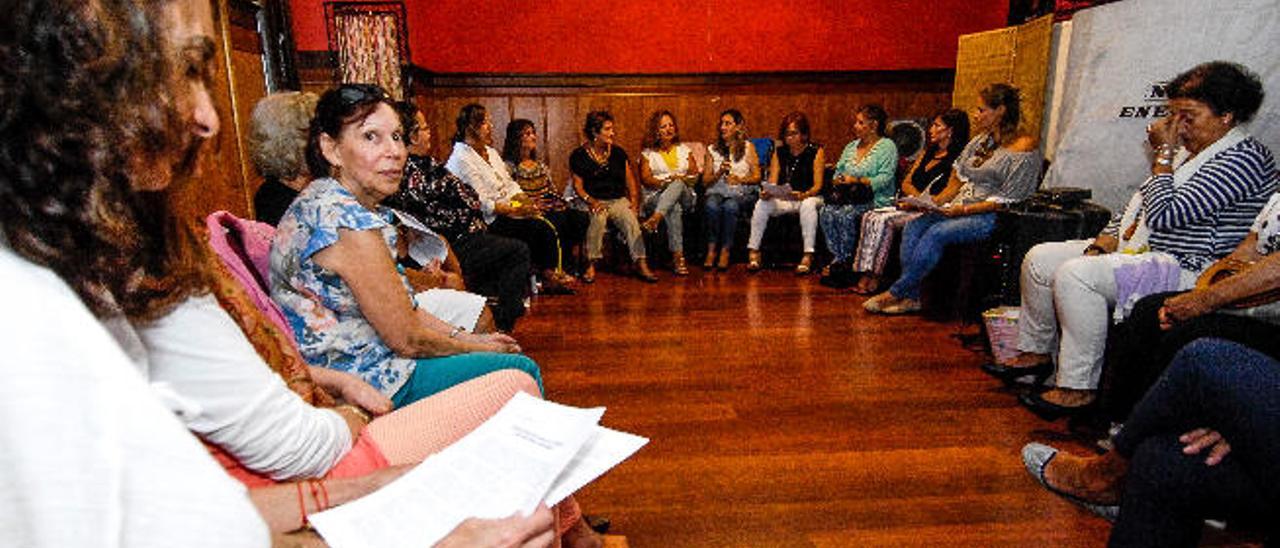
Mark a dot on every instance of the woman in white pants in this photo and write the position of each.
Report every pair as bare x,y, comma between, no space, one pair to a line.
798,163
1208,181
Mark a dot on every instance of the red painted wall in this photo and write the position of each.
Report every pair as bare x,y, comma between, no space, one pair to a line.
678,36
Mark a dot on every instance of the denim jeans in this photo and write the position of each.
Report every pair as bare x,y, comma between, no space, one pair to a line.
672,201
720,213
1213,384
924,240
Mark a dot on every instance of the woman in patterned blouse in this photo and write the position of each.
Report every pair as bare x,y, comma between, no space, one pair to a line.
333,268
520,151
492,265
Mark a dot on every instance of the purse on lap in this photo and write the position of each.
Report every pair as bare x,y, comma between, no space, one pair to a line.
1228,267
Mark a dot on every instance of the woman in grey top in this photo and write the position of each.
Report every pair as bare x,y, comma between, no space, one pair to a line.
999,166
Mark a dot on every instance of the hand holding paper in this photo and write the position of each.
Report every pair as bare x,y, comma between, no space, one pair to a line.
532,452
781,192
920,203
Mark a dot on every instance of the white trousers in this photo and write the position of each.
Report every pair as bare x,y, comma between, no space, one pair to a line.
1062,289
766,209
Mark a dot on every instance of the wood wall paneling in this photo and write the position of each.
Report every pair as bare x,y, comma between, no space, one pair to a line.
250,86
226,180
558,104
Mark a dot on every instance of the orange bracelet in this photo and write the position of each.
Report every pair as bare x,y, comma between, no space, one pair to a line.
302,508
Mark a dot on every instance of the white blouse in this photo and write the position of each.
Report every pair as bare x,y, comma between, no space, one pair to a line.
1267,226
489,177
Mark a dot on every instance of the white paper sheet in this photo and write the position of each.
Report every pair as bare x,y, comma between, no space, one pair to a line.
921,203
425,246
529,452
781,192
603,451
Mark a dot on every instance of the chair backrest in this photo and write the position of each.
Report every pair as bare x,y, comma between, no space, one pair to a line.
244,246
764,149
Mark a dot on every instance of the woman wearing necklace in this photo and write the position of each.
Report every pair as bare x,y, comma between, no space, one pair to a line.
864,179
603,177
927,178
507,209
667,168
737,169
999,166
798,163
520,150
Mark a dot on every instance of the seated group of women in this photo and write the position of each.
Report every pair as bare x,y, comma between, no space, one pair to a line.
358,381
1196,430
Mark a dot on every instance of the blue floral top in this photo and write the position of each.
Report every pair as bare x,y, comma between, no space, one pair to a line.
325,317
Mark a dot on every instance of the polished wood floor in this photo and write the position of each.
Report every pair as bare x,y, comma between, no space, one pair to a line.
782,414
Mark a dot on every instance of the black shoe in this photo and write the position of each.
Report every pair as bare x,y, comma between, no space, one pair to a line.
839,276
599,524
1050,411
1010,375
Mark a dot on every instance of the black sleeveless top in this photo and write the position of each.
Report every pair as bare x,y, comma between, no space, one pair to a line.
797,170
935,179
606,181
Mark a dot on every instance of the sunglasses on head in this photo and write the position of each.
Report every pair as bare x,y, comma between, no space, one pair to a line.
359,93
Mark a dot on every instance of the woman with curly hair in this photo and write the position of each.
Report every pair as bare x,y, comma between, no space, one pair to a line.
99,100
159,487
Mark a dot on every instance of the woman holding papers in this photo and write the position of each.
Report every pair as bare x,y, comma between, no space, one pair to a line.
864,179
927,179
795,186
166,299
731,173
999,166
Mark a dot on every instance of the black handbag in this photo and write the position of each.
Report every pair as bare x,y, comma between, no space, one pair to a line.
848,194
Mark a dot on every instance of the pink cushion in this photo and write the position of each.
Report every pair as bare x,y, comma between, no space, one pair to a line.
245,248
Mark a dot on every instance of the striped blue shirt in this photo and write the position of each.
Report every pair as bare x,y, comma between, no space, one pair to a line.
1205,219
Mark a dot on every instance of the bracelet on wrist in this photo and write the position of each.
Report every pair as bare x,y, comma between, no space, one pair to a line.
357,411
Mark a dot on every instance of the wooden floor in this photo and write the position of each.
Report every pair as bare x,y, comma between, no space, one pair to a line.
782,414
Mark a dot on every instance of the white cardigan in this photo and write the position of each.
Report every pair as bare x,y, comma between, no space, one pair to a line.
233,399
